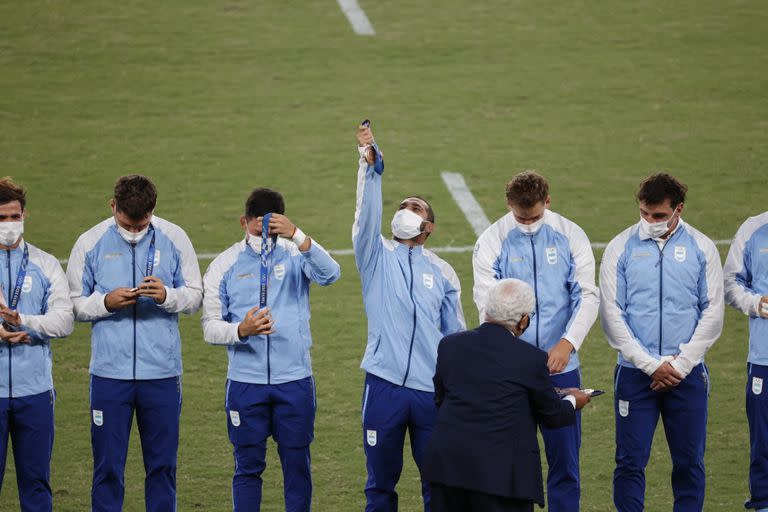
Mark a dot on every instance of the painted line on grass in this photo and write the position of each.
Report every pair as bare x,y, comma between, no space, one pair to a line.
208,256
466,201
356,17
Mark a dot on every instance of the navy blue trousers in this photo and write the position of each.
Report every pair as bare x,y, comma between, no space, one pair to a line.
683,409
157,404
561,446
757,415
28,420
287,413
388,410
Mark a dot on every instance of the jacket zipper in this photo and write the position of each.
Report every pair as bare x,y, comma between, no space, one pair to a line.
10,345
661,292
413,332
133,259
535,289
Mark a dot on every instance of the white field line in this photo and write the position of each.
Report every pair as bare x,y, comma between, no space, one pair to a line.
208,256
357,18
466,201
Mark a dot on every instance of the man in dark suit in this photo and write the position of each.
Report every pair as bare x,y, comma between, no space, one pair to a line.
492,390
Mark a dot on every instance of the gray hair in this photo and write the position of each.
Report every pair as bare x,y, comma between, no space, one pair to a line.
508,301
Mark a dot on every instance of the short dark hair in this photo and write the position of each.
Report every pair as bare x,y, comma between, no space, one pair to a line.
262,201
527,189
430,211
660,186
135,196
9,192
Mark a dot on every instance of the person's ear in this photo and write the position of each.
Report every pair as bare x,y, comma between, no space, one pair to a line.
547,203
429,227
112,206
244,223
524,323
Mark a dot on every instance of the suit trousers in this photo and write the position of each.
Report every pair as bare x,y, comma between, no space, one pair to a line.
454,499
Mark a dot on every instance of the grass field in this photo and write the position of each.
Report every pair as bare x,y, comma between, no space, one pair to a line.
213,98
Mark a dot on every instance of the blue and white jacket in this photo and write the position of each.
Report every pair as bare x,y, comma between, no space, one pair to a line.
232,286
412,298
746,281
557,262
45,312
142,341
662,301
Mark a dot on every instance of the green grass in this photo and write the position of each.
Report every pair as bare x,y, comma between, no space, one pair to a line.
213,98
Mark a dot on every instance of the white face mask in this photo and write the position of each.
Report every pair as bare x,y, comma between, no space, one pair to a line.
531,228
130,236
406,224
254,241
10,232
654,230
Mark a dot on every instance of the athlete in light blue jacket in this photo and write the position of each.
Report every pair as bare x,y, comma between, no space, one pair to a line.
412,299
661,284
746,289
34,307
130,276
552,255
270,389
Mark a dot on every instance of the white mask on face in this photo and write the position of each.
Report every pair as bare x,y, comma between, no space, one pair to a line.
130,236
531,228
254,241
654,230
10,232
406,224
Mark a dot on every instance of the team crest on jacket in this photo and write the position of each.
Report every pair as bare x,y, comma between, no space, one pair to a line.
234,416
98,417
757,385
27,286
680,253
623,408
551,255
429,282
280,271
370,437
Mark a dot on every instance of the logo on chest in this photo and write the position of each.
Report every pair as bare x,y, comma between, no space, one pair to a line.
428,280
279,271
551,255
26,287
680,253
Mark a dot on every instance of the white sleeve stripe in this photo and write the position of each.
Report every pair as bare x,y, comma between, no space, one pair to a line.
361,174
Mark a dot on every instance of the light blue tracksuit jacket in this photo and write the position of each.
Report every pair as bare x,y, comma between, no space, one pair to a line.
411,296
660,303
139,342
232,285
45,312
557,262
746,281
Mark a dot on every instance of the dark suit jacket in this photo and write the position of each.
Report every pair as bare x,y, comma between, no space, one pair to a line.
492,389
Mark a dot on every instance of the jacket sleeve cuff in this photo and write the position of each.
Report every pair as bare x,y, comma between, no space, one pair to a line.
101,305
650,366
571,399
171,300
682,365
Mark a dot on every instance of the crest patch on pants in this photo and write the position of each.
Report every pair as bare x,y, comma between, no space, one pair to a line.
98,418
623,408
234,416
370,437
757,385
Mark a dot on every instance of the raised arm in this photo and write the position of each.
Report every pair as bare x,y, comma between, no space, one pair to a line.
366,229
